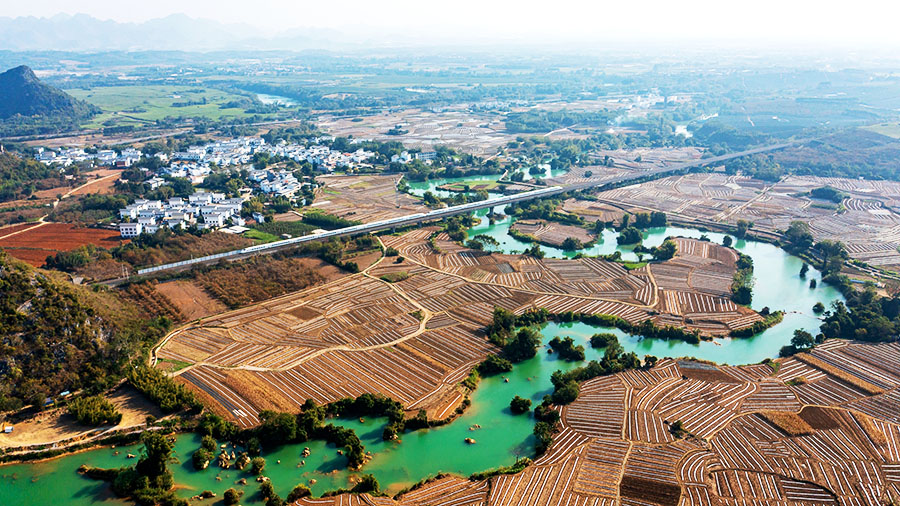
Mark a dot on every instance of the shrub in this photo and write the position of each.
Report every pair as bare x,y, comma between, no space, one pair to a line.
94,410
520,405
299,492
566,349
231,497
201,458
257,464
494,364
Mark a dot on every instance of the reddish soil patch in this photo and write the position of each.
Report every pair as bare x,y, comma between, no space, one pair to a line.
5,231
35,244
290,217
704,372
33,257
62,237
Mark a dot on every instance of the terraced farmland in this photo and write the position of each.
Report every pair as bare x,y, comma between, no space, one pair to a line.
866,222
616,444
415,339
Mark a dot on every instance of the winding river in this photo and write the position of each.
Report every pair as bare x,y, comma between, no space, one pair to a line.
502,437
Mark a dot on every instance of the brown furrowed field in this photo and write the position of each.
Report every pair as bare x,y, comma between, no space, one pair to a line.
34,244
416,338
551,233
751,434
615,445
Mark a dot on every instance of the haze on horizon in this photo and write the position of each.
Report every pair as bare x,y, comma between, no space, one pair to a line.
865,23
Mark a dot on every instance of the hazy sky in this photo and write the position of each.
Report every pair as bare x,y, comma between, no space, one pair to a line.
822,21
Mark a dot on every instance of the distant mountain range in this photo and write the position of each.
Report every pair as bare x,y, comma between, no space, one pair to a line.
81,32
21,92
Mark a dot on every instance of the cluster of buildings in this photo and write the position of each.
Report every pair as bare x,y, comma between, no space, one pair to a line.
222,153
194,162
104,157
320,156
202,209
277,183
406,157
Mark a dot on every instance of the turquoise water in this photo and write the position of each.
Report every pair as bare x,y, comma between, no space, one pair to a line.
502,438
419,188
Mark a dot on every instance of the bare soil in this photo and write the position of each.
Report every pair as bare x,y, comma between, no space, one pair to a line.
193,301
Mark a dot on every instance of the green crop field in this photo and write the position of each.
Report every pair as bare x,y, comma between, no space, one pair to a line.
124,105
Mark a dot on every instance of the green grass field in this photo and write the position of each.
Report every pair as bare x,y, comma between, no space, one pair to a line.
260,236
135,105
888,129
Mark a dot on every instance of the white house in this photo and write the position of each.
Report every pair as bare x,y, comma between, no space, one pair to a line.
127,230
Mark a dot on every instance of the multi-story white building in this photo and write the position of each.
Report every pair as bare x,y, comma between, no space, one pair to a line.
129,230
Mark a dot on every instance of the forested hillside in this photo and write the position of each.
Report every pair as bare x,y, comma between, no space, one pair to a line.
21,177
55,336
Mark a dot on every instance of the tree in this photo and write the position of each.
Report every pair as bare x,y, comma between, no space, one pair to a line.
802,340
94,410
523,346
658,219
818,308
743,226
535,251
604,340
572,244
567,394
742,287
494,364
665,251
543,431
201,458
804,269
567,349
276,428
799,235
629,235
519,405
231,497
257,464
833,254
367,484
726,241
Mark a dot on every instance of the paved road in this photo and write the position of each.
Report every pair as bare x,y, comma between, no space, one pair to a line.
440,214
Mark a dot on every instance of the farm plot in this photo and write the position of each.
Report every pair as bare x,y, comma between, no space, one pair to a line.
34,244
364,198
415,337
867,223
479,134
609,449
552,233
689,290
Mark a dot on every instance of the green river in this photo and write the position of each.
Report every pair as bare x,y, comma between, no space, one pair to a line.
502,437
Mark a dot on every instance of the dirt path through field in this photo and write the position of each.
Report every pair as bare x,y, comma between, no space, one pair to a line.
38,224
423,323
89,183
